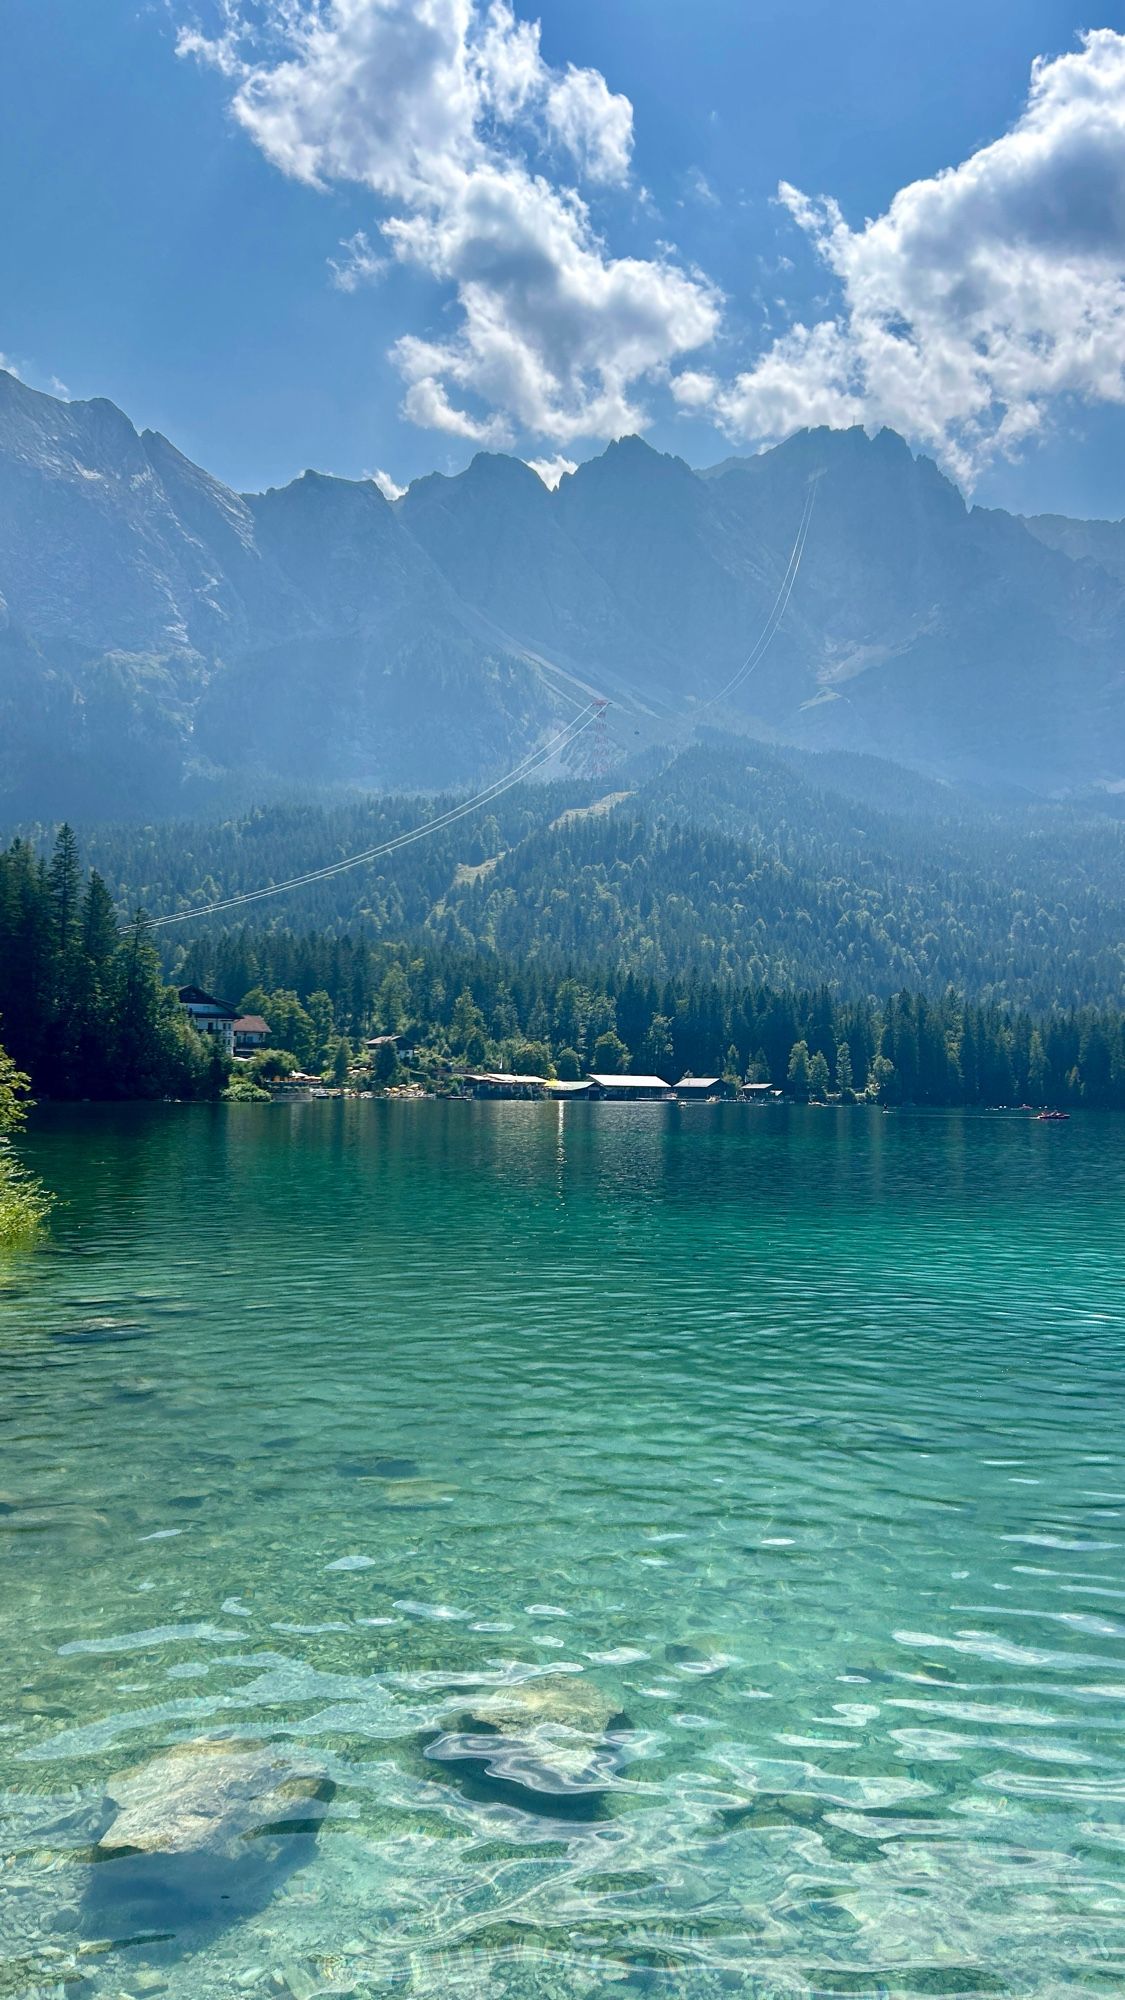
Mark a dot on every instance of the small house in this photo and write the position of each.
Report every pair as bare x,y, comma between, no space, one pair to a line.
250,1032
760,1093
629,1089
211,1018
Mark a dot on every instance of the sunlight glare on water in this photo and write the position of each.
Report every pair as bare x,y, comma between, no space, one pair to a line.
677,1552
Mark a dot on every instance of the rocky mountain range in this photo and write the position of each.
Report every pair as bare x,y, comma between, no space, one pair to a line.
164,640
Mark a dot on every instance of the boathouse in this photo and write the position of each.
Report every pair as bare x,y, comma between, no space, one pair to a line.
629,1089
502,1083
695,1087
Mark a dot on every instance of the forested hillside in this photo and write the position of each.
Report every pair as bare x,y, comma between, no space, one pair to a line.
461,1010
84,1011
730,861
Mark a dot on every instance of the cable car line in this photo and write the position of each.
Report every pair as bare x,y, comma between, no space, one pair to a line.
535,760
768,633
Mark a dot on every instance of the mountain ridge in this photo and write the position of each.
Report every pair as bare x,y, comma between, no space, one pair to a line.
155,624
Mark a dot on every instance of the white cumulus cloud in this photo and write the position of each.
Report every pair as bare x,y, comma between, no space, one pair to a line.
388,487
551,470
694,388
592,123
359,264
447,111
981,296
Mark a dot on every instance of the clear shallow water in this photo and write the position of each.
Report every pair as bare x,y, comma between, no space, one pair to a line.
792,1441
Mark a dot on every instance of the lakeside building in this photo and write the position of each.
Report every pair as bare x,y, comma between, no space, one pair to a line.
618,1089
761,1093
250,1032
502,1083
629,1089
209,1016
695,1087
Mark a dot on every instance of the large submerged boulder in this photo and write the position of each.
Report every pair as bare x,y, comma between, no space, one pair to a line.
210,1794
549,1745
201,1835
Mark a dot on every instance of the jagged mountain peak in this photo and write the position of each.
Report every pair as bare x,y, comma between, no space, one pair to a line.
628,459
314,487
490,476
155,615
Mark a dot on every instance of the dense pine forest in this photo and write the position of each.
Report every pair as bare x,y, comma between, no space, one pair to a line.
730,861
85,1011
84,1008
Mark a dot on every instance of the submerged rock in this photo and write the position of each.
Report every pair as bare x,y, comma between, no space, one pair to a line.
201,1835
101,1332
544,1745
572,1700
377,1468
135,1388
212,1793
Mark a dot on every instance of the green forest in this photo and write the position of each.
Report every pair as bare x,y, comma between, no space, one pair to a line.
85,1011
729,861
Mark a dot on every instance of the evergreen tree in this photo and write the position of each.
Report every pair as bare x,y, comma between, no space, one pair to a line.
797,1074
385,1067
611,1057
1037,1072
819,1077
655,1057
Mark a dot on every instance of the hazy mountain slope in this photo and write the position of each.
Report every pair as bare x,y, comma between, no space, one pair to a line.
165,633
93,551
497,536
1100,542
161,628
925,631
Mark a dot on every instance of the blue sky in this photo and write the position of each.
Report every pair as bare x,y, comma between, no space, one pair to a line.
594,237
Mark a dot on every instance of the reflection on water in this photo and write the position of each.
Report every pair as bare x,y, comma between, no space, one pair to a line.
685,1544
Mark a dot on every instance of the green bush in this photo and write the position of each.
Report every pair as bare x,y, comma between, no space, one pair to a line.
243,1090
24,1204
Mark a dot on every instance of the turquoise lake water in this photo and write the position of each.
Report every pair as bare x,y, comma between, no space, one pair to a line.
770,1464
